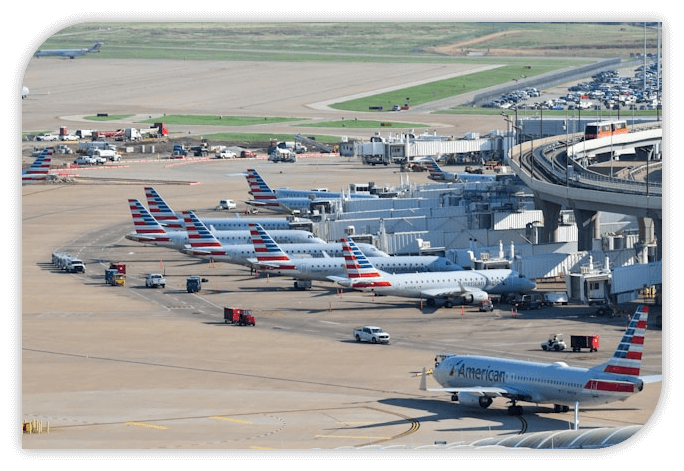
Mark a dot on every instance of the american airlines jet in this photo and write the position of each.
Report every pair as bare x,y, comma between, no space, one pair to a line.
203,244
477,380
163,213
68,52
149,231
271,257
39,168
461,287
288,200
439,175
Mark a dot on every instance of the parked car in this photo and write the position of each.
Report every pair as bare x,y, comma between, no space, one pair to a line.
46,137
227,204
84,160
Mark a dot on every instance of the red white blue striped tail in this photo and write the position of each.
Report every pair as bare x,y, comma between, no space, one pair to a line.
259,189
143,221
40,167
161,211
198,234
627,358
436,173
267,250
357,267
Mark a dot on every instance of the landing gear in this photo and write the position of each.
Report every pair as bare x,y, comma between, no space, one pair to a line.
515,409
448,304
560,408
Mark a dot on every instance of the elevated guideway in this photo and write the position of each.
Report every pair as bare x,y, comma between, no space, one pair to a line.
558,181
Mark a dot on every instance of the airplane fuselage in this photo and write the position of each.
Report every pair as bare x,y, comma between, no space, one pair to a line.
242,254
541,383
180,239
416,285
319,269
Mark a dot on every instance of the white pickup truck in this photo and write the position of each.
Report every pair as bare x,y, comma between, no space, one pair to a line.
155,280
371,334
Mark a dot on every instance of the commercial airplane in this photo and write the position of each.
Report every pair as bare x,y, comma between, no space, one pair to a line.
464,287
476,380
149,231
271,257
39,168
288,200
203,244
439,175
68,52
163,213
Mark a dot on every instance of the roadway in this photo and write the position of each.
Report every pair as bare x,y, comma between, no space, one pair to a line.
541,164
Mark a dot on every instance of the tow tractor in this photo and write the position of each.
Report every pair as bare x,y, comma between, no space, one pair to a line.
555,342
239,316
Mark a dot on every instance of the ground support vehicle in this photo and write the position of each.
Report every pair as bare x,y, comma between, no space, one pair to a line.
555,343
193,284
239,316
226,154
227,204
115,275
247,153
371,334
486,305
277,154
155,280
578,342
528,302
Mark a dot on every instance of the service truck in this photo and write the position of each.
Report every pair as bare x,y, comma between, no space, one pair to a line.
155,280
371,334
239,316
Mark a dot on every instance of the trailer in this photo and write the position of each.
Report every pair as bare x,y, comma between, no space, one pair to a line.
578,342
239,316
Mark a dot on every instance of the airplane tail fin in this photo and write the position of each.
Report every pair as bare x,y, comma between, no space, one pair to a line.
359,269
161,211
41,165
436,172
147,229
198,234
258,188
96,47
627,357
267,250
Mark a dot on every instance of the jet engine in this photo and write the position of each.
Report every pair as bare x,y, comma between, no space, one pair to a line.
476,297
472,400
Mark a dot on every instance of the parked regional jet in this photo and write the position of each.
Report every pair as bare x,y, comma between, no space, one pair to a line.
271,257
439,175
68,52
149,231
476,380
39,168
288,200
204,245
464,287
163,213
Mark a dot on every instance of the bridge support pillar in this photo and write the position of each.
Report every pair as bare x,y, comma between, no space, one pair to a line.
651,229
551,212
588,228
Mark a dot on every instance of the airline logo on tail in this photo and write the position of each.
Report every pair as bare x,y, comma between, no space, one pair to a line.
161,211
357,267
40,167
260,190
627,357
200,237
145,224
267,250
436,173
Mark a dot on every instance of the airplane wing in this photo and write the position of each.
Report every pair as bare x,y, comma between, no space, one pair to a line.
489,391
340,280
455,291
651,379
478,391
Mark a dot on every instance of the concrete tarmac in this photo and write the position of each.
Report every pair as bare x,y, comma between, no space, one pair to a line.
120,368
